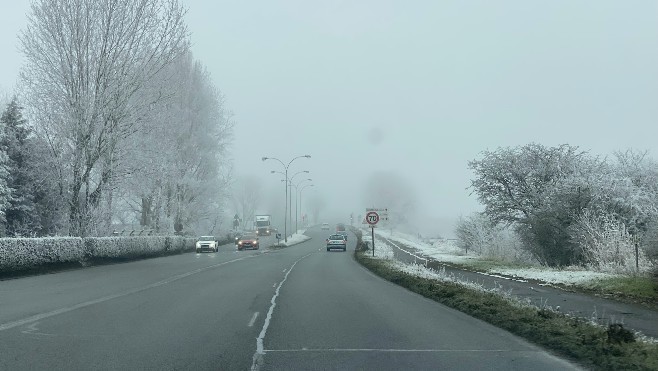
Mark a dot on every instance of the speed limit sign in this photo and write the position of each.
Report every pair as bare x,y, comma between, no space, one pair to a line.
372,217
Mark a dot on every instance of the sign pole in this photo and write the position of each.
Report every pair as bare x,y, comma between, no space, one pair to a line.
373,241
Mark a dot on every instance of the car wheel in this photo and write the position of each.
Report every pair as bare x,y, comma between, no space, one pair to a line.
344,249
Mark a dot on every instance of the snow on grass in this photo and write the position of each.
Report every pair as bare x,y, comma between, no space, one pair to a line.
295,239
447,251
572,276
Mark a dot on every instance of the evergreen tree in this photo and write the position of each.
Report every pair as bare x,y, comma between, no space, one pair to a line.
17,187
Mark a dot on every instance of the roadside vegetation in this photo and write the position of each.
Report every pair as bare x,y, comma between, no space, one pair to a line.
638,289
588,344
561,206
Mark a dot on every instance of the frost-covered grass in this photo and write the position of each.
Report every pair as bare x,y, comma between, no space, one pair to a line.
637,288
25,254
594,346
446,251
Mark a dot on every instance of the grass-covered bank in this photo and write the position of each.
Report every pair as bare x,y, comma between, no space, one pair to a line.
612,348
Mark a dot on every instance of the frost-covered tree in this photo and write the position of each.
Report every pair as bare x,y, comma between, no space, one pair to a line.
525,187
20,214
387,189
247,191
87,63
179,178
5,190
476,234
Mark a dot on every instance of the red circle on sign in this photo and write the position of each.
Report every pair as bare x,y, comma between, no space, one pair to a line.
372,217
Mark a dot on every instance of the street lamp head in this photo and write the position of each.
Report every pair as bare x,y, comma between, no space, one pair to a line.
306,171
272,172
309,179
307,156
264,158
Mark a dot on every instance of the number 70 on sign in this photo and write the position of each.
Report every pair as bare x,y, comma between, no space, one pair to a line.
372,217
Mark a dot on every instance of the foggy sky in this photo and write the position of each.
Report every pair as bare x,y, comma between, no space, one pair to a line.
418,88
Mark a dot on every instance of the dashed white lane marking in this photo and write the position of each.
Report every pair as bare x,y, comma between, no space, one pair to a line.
38,317
252,320
258,355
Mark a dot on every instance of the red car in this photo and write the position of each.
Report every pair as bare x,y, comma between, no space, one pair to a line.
248,241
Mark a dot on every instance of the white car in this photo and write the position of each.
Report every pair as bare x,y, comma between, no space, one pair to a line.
325,226
207,243
367,240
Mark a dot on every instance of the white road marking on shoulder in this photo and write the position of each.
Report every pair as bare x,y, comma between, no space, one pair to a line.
33,330
257,359
253,319
37,317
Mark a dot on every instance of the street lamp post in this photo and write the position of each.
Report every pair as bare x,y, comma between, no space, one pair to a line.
293,185
285,223
300,195
296,198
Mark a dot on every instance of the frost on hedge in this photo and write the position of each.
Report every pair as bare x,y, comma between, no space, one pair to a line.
25,253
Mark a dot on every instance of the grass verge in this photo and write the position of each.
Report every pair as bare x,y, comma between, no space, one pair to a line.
637,289
613,348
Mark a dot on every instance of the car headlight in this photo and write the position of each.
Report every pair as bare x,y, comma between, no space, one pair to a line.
198,245
239,242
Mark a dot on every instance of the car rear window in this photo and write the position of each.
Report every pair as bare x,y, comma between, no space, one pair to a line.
336,237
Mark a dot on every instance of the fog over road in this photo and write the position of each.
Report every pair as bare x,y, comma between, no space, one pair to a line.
295,308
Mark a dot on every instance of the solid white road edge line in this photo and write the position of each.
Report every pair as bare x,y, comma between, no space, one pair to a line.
37,317
258,355
402,350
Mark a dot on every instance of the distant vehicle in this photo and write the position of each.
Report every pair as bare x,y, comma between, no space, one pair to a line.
263,225
325,226
343,233
336,241
248,241
340,227
207,243
367,240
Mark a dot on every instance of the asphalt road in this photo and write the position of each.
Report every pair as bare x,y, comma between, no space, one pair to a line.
298,308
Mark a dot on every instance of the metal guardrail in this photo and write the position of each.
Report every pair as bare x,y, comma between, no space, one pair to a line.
134,232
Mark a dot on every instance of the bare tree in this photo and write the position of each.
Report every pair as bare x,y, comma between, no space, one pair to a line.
386,189
247,192
179,174
86,64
